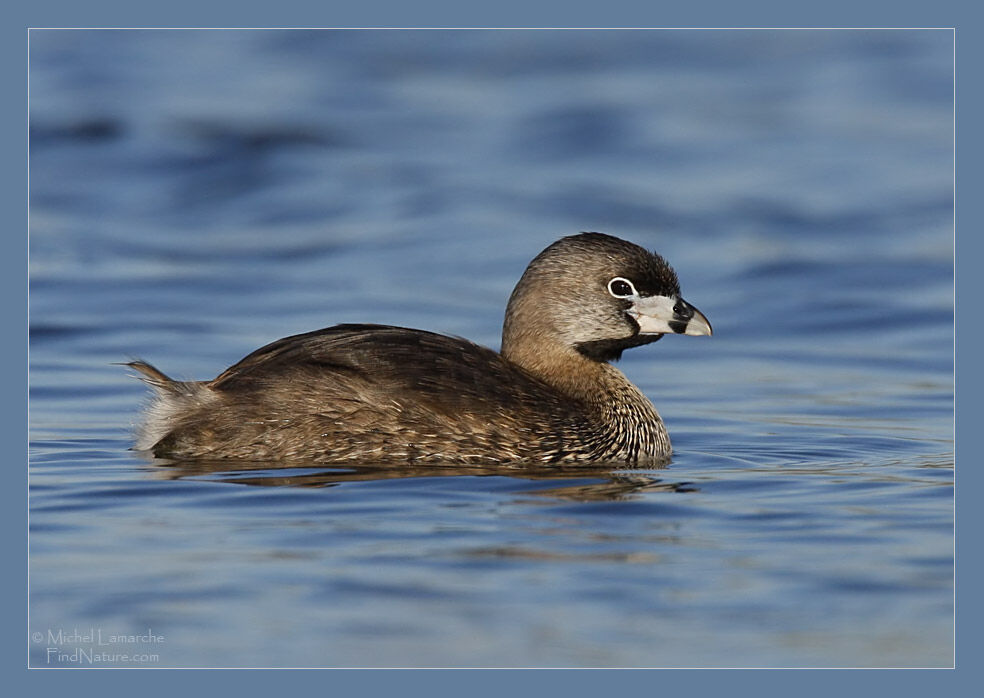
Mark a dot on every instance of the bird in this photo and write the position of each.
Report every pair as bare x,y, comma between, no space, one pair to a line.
379,394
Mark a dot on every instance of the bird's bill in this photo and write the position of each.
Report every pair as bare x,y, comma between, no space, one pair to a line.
668,315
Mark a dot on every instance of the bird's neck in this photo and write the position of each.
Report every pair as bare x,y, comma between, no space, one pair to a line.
594,383
633,429
562,368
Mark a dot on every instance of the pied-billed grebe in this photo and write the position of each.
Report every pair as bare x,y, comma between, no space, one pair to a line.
378,394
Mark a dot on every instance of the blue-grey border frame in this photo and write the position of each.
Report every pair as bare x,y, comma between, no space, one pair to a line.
447,13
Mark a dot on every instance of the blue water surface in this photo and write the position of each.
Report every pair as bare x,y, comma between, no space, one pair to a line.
196,194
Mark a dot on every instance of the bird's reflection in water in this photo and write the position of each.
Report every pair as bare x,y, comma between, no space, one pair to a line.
594,483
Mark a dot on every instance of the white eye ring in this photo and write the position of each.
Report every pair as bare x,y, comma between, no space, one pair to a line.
620,283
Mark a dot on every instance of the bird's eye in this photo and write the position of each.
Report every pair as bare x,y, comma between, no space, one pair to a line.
621,288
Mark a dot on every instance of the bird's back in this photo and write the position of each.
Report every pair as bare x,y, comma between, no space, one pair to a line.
373,393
